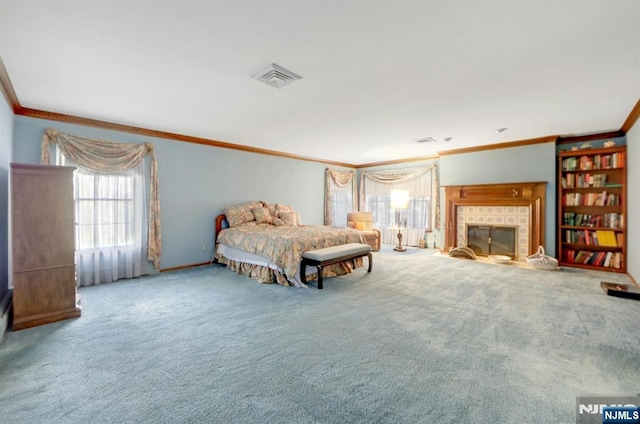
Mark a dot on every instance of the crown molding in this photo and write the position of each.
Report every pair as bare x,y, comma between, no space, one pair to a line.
632,118
518,143
397,161
7,88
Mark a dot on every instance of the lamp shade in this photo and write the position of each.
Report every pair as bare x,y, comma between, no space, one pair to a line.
399,199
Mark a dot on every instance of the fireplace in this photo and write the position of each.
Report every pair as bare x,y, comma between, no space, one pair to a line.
519,206
487,240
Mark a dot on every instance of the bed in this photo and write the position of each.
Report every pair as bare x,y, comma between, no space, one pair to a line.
265,242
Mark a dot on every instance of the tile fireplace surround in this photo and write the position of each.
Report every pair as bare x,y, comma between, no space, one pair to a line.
515,204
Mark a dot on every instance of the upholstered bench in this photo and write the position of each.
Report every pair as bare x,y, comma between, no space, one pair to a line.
333,255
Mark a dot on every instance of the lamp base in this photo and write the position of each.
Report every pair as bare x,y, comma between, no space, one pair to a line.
399,247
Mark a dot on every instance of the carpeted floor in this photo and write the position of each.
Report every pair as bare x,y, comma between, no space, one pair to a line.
422,339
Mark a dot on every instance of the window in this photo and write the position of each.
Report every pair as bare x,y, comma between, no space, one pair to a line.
104,206
341,202
416,219
417,216
109,218
340,196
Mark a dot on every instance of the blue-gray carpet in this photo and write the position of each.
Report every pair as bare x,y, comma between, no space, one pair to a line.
422,339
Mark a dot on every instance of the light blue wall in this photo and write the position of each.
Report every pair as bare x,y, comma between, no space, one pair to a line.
531,163
633,203
6,135
197,182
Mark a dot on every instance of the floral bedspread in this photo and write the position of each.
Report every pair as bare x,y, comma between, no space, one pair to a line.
284,245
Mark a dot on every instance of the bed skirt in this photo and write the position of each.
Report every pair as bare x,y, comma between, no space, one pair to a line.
267,275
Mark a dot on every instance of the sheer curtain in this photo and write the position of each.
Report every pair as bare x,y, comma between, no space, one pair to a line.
424,209
109,216
118,235
340,197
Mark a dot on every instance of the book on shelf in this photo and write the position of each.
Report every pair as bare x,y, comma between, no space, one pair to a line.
606,238
584,180
591,199
581,256
589,258
583,162
596,258
607,220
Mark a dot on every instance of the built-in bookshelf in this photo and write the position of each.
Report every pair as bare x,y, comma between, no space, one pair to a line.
592,202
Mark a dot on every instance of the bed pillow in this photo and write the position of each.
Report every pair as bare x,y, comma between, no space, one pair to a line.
272,209
262,216
288,218
278,222
281,209
240,214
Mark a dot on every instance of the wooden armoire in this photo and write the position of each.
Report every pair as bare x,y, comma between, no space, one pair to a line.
43,244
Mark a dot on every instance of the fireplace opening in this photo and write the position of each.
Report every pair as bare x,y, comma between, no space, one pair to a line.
487,240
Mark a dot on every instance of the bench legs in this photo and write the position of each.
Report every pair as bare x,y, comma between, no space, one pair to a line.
319,265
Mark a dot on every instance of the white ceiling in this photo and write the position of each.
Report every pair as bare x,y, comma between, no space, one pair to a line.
376,74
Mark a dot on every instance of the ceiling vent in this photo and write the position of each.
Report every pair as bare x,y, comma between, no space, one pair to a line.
276,76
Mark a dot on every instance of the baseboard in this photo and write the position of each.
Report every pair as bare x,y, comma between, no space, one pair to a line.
176,268
5,312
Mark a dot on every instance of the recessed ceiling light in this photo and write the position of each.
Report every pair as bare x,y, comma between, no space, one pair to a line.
501,130
425,140
448,138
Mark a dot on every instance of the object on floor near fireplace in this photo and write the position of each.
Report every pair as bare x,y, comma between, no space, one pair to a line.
540,260
399,201
462,252
620,290
499,259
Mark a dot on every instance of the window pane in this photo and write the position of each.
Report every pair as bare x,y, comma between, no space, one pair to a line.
416,217
341,202
104,209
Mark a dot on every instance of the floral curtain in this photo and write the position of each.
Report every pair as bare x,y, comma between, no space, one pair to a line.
338,181
110,157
